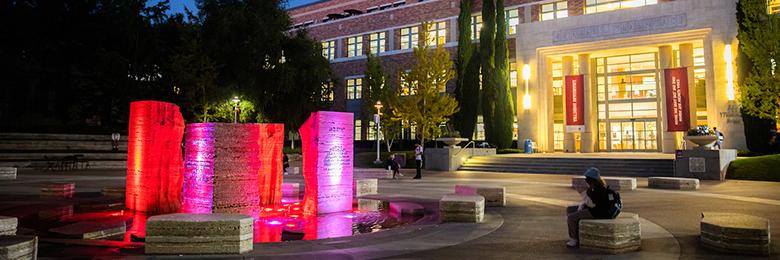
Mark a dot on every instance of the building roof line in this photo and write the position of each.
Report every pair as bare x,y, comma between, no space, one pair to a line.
308,4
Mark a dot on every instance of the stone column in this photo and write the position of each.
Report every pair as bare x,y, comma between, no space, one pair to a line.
590,132
568,138
668,140
686,60
549,103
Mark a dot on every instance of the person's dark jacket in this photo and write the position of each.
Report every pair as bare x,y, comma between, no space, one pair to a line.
393,164
600,197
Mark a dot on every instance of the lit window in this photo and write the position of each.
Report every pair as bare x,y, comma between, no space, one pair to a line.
409,37
512,20
327,91
597,6
512,75
329,50
406,88
476,26
358,130
773,6
354,46
557,78
554,10
376,42
354,88
371,130
437,34
479,131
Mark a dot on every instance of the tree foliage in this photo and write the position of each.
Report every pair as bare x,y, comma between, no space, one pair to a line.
504,112
428,107
759,46
467,67
487,54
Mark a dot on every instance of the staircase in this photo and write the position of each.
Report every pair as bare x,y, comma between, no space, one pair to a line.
25,150
571,165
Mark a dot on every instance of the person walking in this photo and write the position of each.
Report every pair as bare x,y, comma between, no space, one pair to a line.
418,153
595,205
719,135
393,166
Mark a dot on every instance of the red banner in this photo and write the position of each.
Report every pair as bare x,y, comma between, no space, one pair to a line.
575,100
677,105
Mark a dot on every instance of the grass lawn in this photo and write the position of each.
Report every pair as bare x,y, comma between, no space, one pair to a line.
759,168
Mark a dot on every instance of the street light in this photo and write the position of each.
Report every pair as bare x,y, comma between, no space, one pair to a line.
378,107
526,97
236,109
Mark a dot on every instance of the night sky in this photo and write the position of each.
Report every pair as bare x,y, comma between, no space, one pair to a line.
177,6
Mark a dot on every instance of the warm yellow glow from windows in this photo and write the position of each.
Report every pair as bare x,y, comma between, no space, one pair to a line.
729,57
597,6
773,7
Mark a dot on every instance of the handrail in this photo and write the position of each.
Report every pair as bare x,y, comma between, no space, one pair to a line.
467,146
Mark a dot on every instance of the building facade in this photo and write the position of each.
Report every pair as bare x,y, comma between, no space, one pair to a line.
620,47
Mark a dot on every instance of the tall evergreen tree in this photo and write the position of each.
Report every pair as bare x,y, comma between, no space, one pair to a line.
504,112
487,54
467,85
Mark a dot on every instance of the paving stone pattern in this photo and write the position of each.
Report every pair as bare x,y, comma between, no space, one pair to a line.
494,194
18,247
462,208
673,183
735,233
612,236
181,233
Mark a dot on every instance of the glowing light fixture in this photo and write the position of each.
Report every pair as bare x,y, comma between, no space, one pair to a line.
526,97
729,57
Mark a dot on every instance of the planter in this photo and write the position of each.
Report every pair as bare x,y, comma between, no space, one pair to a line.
452,141
702,141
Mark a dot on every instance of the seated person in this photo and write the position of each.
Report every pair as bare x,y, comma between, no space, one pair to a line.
393,165
595,205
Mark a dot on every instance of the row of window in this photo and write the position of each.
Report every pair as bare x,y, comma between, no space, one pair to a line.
377,42
773,6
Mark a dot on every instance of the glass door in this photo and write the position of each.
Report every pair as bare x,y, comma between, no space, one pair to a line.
633,135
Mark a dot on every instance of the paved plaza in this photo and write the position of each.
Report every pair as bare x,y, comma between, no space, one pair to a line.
531,226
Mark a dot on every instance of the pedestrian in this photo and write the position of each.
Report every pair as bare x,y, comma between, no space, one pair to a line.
720,137
598,202
393,165
115,141
285,163
418,157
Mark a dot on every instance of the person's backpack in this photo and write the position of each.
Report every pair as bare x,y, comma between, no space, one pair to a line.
616,204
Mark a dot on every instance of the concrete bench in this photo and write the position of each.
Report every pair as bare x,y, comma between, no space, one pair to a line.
18,247
362,187
58,190
494,194
7,173
117,192
93,229
372,205
8,226
216,233
400,208
673,183
462,208
735,233
614,183
58,212
612,236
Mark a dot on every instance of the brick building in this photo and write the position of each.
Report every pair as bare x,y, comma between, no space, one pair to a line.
620,47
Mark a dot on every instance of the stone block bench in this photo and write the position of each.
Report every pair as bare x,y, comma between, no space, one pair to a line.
462,208
58,190
118,192
735,233
8,226
7,173
673,183
216,233
614,183
93,229
18,247
362,187
401,208
494,194
612,236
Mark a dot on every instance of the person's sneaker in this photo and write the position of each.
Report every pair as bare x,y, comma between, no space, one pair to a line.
401,174
573,243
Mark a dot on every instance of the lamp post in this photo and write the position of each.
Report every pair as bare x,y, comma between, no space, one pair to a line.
236,108
526,96
378,107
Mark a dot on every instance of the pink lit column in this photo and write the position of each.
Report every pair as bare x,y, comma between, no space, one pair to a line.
327,139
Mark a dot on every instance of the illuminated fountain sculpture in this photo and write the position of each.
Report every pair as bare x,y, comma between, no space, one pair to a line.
232,168
327,139
154,162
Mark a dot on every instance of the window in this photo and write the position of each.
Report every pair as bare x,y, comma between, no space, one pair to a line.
597,6
479,131
406,88
354,88
409,37
329,50
327,91
355,46
358,130
554,10
512,20
773,6
512,75
371,130
476,26
376,42
437,33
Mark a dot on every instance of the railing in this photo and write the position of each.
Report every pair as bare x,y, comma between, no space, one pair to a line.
472,143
